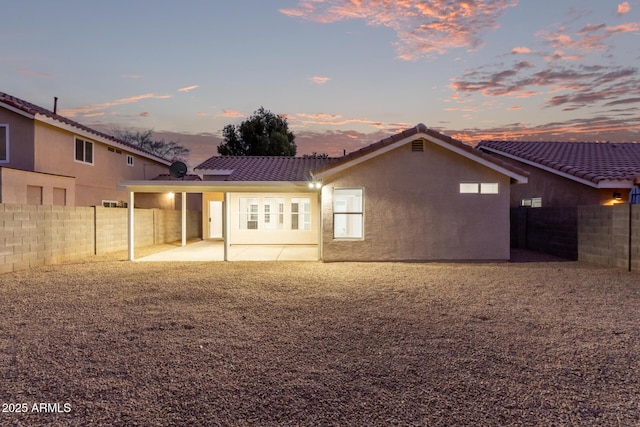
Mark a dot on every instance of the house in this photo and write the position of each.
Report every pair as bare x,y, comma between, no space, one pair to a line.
416,196
47,159
570,173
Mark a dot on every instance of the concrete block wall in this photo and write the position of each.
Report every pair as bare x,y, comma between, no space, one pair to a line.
552,230
35,235
603,235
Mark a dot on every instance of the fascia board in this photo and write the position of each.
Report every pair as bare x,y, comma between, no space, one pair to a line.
216,186
17,110
330,172
81,132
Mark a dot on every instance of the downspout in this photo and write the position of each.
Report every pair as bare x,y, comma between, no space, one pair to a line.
630,230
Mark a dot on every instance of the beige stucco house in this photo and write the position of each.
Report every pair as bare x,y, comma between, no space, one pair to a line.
47,159
416,196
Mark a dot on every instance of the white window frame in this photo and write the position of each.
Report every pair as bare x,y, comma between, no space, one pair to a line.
249,217
489,188
302,217
85,144
130,160
349,216
7,159
469,188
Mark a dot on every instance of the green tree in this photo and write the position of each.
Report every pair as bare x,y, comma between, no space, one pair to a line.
262,134
169,150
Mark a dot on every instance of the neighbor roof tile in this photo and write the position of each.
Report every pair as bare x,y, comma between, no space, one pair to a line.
592,161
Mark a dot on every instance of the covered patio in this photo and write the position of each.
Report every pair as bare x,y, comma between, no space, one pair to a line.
228,240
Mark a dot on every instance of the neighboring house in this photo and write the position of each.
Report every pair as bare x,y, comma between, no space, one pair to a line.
47,159
416,196
570,173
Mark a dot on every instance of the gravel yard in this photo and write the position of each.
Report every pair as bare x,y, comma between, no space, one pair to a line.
111,342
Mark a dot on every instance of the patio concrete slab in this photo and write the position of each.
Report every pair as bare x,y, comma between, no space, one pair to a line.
213,250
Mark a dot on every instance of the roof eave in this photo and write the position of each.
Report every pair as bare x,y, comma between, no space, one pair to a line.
330,171
215,186
17,110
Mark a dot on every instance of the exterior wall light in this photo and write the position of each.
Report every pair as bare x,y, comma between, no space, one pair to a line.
617,196
171,194
316,185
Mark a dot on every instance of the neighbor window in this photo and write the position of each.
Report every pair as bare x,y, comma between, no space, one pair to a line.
4,143
300,213
248,213
348,213
129,160
84,151
535,202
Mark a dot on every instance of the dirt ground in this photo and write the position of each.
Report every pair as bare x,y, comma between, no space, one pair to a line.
111,342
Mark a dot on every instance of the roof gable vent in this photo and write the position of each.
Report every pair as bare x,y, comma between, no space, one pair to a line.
417,145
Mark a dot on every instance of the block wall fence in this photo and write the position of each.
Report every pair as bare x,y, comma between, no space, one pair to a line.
35,235
603,235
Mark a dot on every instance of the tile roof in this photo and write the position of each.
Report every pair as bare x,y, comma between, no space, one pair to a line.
275,168
264,168
590,161
33,109
421,128
168,177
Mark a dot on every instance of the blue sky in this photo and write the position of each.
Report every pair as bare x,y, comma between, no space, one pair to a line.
344,73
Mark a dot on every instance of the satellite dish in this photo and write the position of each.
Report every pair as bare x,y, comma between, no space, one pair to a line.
178,169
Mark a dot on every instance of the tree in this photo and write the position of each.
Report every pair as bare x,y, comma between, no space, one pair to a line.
170,150
262,134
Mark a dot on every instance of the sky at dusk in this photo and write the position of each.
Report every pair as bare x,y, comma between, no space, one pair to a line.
344,73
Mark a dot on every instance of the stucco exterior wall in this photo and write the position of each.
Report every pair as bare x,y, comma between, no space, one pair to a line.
54,189
413,209
557,191
21,137
55,154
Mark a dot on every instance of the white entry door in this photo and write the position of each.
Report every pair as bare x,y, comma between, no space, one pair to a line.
215,220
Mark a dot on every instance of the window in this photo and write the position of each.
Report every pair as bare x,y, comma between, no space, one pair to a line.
129,160
489,188
301,213
535,202
274,213
468,188
475,188
348,213
4,143
84,151
248,213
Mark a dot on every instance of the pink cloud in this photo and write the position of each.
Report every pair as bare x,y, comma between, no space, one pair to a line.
624,8
319,79
144,114
188,88
131,76
231,114
423,28
92,109
520,50
32,73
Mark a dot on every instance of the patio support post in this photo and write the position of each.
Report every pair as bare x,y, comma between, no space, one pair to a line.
225,221
184,219
130,228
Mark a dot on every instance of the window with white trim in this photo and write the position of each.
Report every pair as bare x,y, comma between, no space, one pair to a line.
129,160
479,188
84,151
248,213
4,143
300,213
348,213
